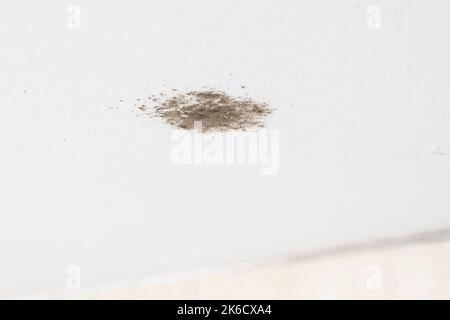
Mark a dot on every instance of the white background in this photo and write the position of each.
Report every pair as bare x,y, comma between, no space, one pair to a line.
363,117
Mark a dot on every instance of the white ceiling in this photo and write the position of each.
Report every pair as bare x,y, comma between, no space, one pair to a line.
363,117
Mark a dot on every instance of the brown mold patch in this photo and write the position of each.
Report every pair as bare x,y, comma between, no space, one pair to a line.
216,110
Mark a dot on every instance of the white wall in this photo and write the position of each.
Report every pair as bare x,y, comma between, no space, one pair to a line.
417,270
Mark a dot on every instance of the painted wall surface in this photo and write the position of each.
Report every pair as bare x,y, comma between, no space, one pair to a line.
408,271
89,187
